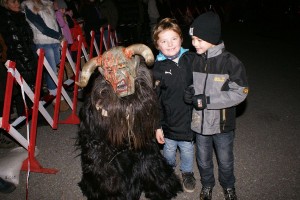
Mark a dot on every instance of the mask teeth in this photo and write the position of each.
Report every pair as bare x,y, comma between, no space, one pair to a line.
121,86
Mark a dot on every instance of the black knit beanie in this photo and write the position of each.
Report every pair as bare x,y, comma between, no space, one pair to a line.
207,27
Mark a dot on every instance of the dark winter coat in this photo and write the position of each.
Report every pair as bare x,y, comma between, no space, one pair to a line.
173,79
18,38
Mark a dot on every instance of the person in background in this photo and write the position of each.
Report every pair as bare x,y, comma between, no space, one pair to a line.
64,20
93,19
172,73
3,49
74,6
47,35
18,37
5,141
153,13
219,85
110,12
76,30
60,7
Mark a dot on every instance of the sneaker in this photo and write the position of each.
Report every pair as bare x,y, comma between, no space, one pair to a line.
6,187
188,181
229,194
206,193
5,142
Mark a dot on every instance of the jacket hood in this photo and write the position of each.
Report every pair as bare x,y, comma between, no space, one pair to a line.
161,57
216,50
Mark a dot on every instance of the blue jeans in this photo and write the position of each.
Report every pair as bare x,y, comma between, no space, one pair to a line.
223,144
186,154
52,54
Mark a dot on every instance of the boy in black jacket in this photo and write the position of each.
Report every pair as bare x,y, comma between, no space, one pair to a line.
172,73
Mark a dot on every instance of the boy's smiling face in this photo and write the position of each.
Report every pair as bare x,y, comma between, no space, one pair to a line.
169,42
200,45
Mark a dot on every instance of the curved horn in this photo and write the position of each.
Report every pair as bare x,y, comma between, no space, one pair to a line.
142,50
87,71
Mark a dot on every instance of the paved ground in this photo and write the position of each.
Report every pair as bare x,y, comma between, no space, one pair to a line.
267,152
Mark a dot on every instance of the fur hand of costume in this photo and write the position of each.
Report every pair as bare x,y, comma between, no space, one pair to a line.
199,101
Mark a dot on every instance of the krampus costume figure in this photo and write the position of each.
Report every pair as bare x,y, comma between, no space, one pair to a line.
119,156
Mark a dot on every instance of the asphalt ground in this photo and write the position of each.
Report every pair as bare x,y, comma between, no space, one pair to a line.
267,153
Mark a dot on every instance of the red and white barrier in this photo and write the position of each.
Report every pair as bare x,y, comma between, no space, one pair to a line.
73,118
39,103
30,164
4,120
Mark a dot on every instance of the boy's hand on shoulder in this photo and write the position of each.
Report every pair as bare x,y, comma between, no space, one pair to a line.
200,101
189,92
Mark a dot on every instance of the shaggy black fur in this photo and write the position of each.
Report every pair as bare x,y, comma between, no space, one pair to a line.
119,156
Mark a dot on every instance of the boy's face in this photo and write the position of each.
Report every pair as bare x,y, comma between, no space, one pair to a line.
169,43
201,46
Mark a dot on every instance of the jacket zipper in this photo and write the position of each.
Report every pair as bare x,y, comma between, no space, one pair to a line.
204,89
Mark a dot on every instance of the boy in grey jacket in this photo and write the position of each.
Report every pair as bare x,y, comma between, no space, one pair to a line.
219,84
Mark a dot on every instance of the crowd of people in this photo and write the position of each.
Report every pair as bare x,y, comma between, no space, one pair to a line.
28,25
197,91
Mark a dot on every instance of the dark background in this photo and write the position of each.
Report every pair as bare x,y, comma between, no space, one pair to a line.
267,153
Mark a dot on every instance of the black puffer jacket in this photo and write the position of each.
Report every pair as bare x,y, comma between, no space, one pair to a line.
18,38
173,79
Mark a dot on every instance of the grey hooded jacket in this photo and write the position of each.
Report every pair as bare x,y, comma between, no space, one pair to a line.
222,78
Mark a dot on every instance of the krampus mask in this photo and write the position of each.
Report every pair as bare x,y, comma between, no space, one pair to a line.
118,66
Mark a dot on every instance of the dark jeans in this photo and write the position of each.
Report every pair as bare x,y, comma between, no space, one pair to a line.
223,145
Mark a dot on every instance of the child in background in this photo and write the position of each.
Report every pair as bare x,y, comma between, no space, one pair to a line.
220,83
46,35
76,30
172,73
60,7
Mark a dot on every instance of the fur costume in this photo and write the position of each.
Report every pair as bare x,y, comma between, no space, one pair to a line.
119,156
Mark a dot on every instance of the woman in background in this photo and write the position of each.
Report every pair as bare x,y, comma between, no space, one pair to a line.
18,38
47,35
